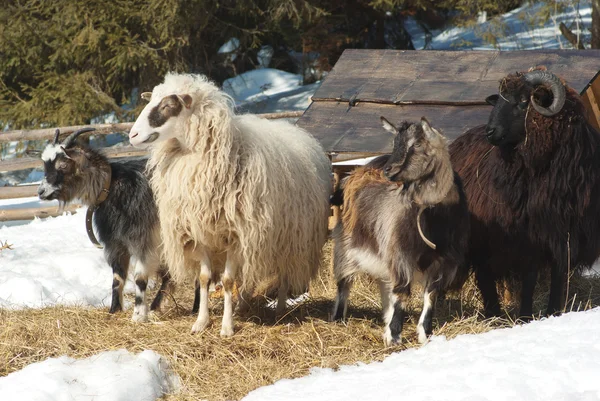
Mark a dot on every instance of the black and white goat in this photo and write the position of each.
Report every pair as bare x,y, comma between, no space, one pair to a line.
404,219
124,213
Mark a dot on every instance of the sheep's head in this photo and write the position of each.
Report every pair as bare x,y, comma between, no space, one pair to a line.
62,164
540,89
161,119
415,148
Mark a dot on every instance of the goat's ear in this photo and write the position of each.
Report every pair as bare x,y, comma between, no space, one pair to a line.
430,132
68,153
186,100
388,126
146,96
492,99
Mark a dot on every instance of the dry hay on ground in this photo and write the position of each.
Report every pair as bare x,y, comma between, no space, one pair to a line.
261,351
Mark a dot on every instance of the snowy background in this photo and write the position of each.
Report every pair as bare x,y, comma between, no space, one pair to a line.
52,262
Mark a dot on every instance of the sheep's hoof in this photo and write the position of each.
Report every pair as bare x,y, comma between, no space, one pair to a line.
226,332
200,325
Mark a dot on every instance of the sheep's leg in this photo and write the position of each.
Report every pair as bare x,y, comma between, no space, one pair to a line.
196,306
487,286
282,296
394,304
166,288
528,282
341,301
140,309
556,300
204,282
120,266
228,279
425,325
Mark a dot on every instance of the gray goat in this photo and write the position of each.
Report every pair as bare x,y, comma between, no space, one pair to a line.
404,219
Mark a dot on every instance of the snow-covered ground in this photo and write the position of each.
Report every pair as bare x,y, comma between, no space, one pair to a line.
108,376
52,262
267,90
553,359
521,29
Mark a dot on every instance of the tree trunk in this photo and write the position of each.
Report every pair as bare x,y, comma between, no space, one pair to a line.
595,24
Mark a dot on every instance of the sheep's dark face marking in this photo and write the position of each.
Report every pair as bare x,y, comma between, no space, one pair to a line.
506,125
415,147
58,172
159,118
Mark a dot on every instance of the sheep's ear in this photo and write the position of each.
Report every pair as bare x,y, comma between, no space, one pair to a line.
146,96
388,126
186,100
430,132
492,99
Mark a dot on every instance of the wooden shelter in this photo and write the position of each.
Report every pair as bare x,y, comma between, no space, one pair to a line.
448,87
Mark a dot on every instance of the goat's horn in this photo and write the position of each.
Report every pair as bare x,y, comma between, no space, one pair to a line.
429,243
559,92
56,134
71,138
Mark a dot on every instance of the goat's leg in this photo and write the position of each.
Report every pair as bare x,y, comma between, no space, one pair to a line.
425,325
120,266
528,282
229,276
558,280
140,309
393,302
282,296
166,288
487,286
203,280
340,308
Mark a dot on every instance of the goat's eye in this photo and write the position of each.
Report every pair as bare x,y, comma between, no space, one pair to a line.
62,166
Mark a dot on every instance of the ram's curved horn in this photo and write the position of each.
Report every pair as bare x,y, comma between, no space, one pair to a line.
429,243
56,134
70,140
538,77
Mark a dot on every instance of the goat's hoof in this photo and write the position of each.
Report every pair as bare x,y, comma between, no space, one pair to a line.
389,340
199,326
422,337
139,318
226,332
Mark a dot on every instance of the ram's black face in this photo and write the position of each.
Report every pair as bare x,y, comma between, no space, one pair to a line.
506,125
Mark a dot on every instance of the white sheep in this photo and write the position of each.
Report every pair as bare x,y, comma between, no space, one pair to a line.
248,191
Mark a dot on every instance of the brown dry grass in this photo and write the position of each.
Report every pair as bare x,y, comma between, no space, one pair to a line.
261,351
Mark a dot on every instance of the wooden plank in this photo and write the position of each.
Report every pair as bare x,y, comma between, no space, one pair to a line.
445,77
591,103
340,128
33,162
22,191
31,213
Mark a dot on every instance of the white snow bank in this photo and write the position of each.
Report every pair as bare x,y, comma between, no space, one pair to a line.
108,376
523,28
52,262
267,90
553,359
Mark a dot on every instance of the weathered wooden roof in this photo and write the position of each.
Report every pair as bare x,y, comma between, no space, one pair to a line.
448,87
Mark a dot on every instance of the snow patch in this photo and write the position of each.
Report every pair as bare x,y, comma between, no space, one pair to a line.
107,376
52,262
553,359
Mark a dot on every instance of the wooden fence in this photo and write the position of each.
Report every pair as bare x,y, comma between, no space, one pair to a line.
16,164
